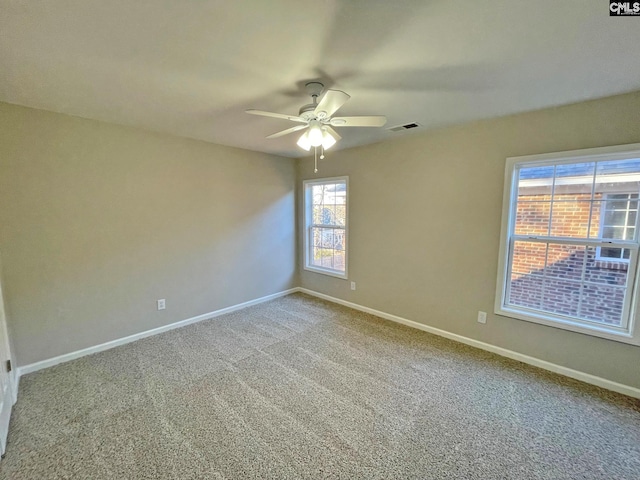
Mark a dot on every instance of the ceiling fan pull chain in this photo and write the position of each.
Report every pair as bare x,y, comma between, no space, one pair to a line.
315,160
322,152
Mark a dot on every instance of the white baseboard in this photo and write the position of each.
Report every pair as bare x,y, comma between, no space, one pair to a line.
15,382
34,367
552,367
585,377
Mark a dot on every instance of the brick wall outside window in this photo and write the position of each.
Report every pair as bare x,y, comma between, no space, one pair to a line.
564,263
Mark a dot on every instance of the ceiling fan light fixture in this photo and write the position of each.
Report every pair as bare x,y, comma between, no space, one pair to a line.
303,141
327,140
316,119
315,133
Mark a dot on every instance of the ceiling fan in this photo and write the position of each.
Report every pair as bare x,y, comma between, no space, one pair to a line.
316,118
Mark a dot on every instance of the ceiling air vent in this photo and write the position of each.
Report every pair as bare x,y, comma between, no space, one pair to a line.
406,126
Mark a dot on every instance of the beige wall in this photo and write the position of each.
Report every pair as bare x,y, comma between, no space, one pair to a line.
98,221
425,217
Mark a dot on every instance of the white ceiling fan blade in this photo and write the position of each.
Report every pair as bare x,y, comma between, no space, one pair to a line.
333,133
361,121
287,131
330,103
283,116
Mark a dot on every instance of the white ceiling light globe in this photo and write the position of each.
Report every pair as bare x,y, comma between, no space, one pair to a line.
303,141
315,133
328,141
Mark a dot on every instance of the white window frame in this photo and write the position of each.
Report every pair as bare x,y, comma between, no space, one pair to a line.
308,224
630,334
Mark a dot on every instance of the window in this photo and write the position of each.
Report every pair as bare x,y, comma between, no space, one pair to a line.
326,226
569,243
618,221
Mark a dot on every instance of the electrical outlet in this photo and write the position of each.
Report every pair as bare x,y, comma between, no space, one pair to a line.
353,285
482,317
161,304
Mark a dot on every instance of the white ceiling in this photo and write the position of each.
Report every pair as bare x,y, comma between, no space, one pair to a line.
191,68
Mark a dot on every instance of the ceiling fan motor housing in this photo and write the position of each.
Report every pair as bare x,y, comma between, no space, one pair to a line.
314,89
307,112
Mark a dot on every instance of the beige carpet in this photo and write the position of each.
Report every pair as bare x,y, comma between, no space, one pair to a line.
301,388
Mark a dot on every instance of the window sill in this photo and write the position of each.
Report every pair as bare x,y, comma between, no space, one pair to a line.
594,330
326,271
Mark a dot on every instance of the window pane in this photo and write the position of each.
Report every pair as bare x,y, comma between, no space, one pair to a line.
328,248
327,193
561,296
315,246
548,277
340,194
613,233
618,176
565,262
327,215
603,272
339,260
532,218
609,253
535,181
602,304
574,179
526,291
615,203
615,217
323,257
595,228
527,265
340,240
341,215
567,280
534,197
326,237
318,194
570,218
528,258
317,214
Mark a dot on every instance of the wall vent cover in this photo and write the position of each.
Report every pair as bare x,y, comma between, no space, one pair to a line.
406,126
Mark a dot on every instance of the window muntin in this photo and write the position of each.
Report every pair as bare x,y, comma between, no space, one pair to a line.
570,243
326,226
